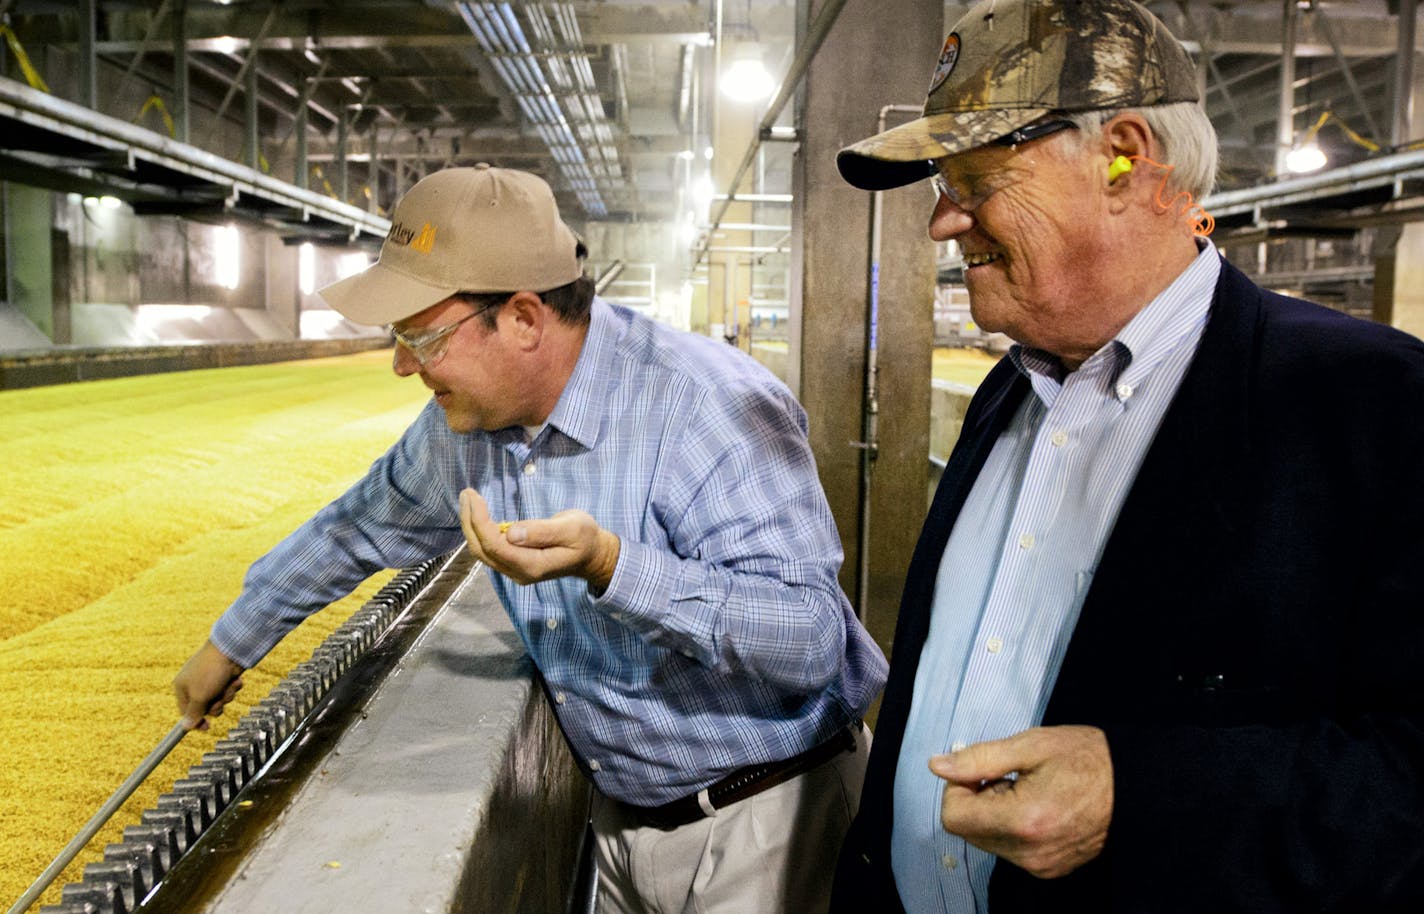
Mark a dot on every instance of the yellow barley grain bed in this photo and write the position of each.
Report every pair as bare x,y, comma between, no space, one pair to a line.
129,511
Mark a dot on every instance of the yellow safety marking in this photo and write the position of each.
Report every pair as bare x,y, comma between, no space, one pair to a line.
32,76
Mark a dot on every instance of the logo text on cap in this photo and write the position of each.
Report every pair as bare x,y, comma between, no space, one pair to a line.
405,236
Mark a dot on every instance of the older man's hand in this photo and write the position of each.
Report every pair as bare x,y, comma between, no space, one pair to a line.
1052,817
569,544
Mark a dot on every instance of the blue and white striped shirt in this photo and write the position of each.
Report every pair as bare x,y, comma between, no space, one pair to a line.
1019,562
723,639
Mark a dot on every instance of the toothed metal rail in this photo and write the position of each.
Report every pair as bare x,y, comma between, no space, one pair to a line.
413,764
131,870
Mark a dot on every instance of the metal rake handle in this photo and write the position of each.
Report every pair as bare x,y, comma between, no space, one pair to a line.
111,806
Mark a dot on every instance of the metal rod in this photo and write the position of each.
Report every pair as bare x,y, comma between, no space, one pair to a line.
870,417
111,806
814,38
1370,172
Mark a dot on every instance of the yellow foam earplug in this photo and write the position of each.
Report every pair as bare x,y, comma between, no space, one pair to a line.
1118,167
504,525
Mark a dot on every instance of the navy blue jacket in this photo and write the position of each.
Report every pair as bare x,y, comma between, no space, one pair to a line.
1252,642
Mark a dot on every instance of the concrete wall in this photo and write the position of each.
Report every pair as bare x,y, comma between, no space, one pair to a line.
91,273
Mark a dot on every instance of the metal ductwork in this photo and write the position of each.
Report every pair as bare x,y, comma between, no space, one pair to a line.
546,70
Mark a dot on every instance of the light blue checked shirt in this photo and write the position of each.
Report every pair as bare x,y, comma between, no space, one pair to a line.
723,639
1018,565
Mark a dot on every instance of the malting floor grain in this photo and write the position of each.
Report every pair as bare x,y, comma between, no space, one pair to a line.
129,511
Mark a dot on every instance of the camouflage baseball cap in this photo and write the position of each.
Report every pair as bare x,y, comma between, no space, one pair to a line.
1009,62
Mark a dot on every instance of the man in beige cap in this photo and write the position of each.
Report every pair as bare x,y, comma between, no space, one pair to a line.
648,505
1159,648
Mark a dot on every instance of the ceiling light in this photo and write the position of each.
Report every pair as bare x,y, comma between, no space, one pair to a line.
702,192
1305,158
226,44
747,79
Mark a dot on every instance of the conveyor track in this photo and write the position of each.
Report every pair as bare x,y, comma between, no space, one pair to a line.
133,875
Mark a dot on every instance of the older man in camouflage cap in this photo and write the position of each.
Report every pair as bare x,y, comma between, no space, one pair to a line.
1122,676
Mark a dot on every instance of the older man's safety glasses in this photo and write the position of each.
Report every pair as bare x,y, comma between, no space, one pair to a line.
969,190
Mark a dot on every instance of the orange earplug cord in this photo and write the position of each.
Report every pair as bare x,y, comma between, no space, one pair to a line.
1201,221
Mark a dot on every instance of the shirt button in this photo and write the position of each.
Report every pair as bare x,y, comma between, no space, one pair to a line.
616,617
552,624
593,765
529,468
558,698
950,861
957,747
1124,391
994,645
1026,541
1059,438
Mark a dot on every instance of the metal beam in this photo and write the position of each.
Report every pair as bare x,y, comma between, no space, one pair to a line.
1380,171
195,176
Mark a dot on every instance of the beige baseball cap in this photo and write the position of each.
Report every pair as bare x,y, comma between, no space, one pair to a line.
1009,62
478,229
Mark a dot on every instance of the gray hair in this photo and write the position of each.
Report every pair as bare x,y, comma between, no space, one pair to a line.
1188,140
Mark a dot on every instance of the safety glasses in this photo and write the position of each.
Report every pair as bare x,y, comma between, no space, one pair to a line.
968,190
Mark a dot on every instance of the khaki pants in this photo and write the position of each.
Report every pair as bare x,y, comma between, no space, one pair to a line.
773,852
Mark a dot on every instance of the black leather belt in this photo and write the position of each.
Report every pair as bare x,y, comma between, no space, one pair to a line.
743,783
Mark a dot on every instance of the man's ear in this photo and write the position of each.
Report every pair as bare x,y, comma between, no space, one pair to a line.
524,318
1128,135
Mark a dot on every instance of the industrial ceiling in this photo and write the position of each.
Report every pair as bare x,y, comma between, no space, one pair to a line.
612,100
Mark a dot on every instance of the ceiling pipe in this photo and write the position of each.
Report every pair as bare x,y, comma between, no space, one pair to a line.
815,37
571,123
1369,173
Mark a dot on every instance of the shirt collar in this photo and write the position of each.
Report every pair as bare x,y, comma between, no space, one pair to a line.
1177,313
578,414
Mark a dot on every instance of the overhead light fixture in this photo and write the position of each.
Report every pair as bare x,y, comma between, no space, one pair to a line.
226,44
229,257
1305,158
702,192
309,54
747,79
306,268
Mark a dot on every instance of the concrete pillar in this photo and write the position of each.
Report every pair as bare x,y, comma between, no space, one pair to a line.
1399,252
1399,282
850,80
29,216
